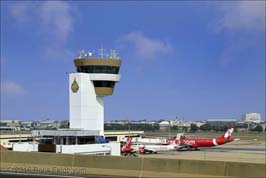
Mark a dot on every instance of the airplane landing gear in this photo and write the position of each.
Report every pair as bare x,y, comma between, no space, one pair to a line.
132,153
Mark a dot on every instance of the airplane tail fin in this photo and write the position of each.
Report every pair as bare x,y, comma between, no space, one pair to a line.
229,132
127,145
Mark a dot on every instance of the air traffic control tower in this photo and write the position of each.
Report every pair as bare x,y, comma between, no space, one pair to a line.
95,78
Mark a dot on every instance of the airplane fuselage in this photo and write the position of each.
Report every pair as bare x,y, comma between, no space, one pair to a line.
200,142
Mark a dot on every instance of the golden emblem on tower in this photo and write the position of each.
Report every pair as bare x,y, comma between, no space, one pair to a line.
74,86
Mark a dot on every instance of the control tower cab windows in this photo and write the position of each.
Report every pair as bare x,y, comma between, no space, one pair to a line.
109,84
98,69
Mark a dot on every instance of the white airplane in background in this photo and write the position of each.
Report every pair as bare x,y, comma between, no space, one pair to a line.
145,148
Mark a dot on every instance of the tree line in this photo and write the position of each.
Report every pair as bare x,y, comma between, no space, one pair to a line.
156,127
207,127
130,126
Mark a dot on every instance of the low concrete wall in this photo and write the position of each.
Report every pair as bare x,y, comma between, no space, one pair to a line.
110,148
245,169
25,147
108,162
157,165
36,158
185,166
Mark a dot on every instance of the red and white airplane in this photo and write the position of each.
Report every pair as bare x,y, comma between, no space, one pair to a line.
126,149
196,143
148,148
129,149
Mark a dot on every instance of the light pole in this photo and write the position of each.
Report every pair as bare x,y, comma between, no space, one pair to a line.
169,129
129,127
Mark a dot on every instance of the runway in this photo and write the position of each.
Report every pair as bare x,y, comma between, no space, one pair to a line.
237,148
235,153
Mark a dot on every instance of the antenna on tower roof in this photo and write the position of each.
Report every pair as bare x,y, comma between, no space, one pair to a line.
101,52
114,54
81,53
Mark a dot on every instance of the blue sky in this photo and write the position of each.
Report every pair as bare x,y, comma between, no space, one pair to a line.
197,60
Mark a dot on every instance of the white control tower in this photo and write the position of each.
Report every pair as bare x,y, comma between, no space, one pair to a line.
95,77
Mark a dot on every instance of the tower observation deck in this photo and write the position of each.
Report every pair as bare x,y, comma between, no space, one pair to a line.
95,77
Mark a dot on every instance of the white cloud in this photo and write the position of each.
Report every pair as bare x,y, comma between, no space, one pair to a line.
243,24
12,88
54,18
21,11
242,15
145,47
57,18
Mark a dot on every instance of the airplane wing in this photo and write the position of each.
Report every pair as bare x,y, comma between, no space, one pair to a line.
183,146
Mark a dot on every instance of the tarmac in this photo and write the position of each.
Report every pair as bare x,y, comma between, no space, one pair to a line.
238,151
234,156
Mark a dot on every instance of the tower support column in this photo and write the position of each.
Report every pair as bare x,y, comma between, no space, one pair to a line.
86,109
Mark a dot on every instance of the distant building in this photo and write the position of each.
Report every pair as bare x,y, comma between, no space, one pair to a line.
251,117
26,125
3,124
49,124
164,125
10,123
13,129
221,122
198,123
181,125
